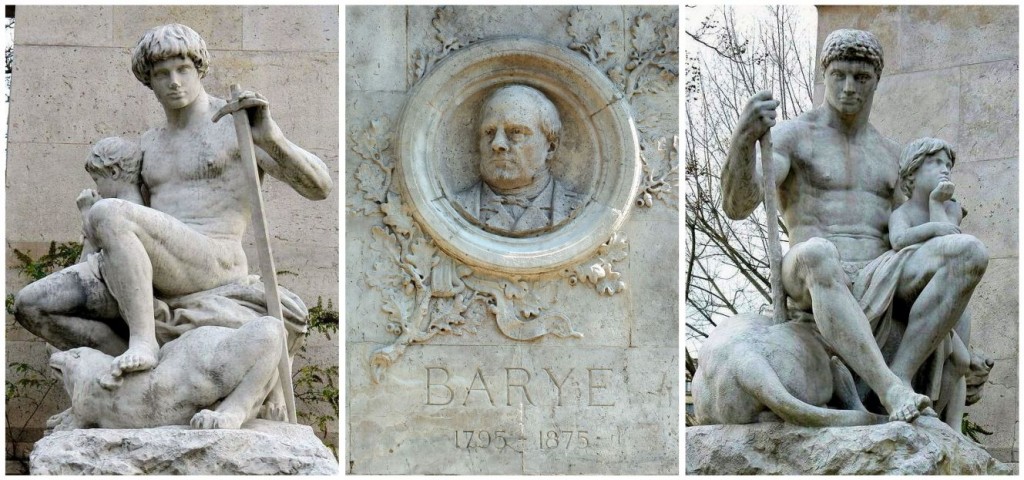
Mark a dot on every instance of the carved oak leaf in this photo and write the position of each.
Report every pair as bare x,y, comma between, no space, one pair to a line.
446,316
385,243
610,284
513,288
529,306
396,215
645,38
397,306
447,32
422,257
615,249
591,271
371,180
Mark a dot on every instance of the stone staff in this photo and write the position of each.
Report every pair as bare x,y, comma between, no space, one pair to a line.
771,211
247,152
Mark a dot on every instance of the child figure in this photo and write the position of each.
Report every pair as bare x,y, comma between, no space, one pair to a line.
116,166
930,211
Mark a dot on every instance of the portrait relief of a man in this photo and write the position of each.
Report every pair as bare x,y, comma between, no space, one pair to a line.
519,130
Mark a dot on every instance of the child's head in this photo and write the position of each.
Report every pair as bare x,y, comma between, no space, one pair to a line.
114,160
168,41
914,156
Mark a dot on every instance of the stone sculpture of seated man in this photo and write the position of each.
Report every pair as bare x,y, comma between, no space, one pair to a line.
187,237
837,178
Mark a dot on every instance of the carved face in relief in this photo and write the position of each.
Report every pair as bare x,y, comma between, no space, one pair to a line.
175,82
517,195
514,143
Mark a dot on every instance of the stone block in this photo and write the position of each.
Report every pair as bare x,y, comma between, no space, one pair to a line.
58,168
288,28
933,37
989,111
926,447
93,25
220,26
93,106
487,392
262,448
997,413
375,49
988,190
653,285
920,104
995,313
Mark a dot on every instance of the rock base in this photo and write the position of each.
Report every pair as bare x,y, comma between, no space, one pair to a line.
926,447
261,447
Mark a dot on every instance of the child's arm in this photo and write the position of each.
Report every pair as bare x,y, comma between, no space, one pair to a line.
902,234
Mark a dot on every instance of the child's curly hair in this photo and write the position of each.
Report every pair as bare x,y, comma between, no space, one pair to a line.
914,154
116,158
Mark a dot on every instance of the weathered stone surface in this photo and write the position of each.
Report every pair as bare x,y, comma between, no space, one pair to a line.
927,447
35,25
262,448
989,110
283,28
920,104
220,26
989,192
375,56
935,37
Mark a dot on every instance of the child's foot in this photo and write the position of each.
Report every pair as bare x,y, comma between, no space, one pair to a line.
904,405
140,356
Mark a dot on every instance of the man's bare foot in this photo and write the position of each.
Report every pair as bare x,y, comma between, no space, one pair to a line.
140,356
209,419
904,405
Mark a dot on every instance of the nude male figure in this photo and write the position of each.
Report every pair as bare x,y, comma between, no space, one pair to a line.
188,236
837,176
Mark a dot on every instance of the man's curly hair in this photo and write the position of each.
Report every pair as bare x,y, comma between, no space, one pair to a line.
168,41
852,45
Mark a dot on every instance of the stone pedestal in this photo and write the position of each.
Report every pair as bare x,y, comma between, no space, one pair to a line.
926,447
261,448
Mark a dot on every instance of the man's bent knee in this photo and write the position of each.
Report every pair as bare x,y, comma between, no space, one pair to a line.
29,306
967,254
817,260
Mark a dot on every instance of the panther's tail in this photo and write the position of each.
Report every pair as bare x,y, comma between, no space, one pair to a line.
763,383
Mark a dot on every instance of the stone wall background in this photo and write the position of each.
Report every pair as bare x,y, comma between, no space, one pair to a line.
72,85
635,333
952,72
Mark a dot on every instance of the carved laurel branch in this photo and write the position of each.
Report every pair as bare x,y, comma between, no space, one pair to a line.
427,293
652,67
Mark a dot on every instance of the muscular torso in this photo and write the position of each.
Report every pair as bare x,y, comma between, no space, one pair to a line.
196,176
839,187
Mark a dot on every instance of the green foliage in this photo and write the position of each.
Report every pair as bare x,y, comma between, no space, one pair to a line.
972,429
60,256
25,385
317,385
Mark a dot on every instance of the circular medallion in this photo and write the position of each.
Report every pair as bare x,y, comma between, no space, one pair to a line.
518,156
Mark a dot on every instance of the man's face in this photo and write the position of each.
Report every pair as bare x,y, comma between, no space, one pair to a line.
175,81
934,169
513,149
850,85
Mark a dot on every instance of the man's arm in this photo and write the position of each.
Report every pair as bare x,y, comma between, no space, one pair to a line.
278,156
741,174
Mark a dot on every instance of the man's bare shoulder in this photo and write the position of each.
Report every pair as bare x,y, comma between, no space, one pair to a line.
787,134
